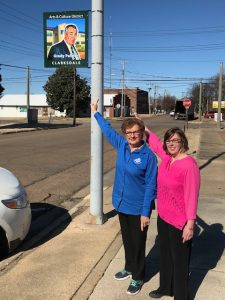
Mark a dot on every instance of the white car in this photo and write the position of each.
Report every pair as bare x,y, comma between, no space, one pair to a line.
15,212
172,113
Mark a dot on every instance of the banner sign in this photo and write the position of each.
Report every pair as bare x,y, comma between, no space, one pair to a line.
215,104
66,39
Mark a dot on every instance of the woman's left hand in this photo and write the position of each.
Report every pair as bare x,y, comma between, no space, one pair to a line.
144,222
188,231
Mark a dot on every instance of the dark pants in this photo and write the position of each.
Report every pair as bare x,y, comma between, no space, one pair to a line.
174,261
134,241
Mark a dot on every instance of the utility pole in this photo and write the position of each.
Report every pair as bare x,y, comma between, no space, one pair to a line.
110,57
149,101
96,184
159,98
220,96
200,102
123,96
28,93
74,97
154,100
164,99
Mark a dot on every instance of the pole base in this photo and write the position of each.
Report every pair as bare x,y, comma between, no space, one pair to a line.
97,220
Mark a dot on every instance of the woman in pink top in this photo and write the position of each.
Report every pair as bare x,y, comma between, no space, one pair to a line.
178,186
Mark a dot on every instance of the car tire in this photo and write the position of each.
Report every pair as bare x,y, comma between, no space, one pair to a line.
4,247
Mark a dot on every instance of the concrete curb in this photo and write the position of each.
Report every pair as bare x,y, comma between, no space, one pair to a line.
90,282
10,131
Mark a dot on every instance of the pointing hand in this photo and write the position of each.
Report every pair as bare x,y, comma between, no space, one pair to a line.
94,106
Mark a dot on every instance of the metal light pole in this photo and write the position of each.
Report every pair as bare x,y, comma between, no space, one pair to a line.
96,201
149,101
154,100
220,96
74,97
123,96
110,54
28,93
200,102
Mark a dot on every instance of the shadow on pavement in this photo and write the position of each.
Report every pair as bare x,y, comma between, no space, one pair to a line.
37,126
111,214
152,261
210,160
204,257
208,247
42,228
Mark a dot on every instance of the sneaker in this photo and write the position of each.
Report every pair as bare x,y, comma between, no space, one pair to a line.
157,294
122,275
134,287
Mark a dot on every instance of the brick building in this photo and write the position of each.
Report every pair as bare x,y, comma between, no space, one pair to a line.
136,100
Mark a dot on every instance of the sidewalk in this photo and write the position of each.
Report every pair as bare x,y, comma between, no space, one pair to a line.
79,262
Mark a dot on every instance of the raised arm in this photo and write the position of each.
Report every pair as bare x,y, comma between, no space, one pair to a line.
114,138
155,143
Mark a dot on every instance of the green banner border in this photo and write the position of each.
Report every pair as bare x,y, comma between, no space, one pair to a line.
73,15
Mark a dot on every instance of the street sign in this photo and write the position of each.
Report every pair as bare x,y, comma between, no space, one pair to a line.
187,103
215,104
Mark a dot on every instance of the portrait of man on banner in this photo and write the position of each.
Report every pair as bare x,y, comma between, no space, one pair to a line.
66,39
66,49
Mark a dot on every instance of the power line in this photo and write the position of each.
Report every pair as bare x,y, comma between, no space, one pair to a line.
162,49
116,58
21,25
11,66
184,31
20,12
13,37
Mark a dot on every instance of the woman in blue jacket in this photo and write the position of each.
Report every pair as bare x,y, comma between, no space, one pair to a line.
134,192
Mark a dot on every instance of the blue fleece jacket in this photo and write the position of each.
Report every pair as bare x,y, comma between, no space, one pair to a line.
135,178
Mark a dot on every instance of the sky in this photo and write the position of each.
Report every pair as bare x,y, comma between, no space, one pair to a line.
164,46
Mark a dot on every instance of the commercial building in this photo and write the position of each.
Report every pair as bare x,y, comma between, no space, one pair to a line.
15,106
135,100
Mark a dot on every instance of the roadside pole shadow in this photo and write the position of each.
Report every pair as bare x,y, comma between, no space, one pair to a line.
208,247
210,160
152,261
112,213
37,126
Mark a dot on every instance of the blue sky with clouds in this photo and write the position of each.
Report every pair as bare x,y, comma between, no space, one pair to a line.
168,44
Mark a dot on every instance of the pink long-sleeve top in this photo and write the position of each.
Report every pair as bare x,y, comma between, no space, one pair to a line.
178,186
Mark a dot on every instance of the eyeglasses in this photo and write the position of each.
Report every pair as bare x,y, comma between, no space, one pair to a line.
174,141
136,133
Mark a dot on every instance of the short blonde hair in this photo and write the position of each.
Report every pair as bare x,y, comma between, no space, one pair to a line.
130,122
